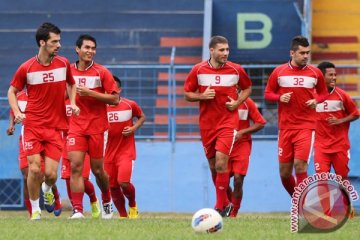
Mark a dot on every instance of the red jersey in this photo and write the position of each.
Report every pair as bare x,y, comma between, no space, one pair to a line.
226,81
21,100
334,138
303,82
121,116
248,111
92,118
46,86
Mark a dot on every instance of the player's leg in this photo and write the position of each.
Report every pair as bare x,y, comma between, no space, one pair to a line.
58,205
50,176
286,157
117,195
125,168
33,182
24,172
89,188
341,167
322,162
303,145
96,152
77,183
237,194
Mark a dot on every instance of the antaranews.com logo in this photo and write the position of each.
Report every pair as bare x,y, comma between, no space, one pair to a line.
321,203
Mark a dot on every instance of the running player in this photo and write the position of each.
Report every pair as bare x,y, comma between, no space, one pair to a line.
45,77
95,88
215,84
240,156
293,86
120,152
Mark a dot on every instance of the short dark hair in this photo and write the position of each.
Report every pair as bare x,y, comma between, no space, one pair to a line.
217,39
82,37
117,80
299,41
324,65
43,32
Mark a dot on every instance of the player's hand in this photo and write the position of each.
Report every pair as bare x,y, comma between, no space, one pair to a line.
10,130
208,94
75,110
332,120
285,98
238,135
231,104
311,103
128,131
19,117
83,91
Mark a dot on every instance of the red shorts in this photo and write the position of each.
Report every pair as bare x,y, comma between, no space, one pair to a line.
339,161
66,168
221,140
23,162
119,171
240,157
45,141
295,143
93,144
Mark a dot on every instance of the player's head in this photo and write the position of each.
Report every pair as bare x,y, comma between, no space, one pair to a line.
86,47
299,51
219,49
329,71
118,82
48,38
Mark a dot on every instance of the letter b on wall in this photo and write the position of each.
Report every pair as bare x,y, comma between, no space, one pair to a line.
253,31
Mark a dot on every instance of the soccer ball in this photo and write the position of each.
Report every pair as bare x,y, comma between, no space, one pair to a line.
207,220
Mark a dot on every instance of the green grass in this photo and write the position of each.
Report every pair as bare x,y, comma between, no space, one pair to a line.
15,225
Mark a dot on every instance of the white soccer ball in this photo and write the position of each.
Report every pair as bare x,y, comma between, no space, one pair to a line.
207,220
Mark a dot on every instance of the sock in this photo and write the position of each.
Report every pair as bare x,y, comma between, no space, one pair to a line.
129,193
119,201
300,177
105,196
45,187
213,177
289,184
56,193
221,185
77,199
68,190
35,205
28,206
324,195
90,190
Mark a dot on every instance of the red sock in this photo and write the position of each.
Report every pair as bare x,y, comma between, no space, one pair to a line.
68,190
300,177
28,206
289,184
55,192
77,198
119,201
236,202
90,190
213,177
129,193
105,196
221,185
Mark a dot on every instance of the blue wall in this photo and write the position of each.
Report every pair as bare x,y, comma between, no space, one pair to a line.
181,182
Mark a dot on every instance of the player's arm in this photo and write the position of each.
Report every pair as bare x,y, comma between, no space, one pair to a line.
108,98
18,115
350,109
11,128
208,94
130,130
321,91
234,104
71,90
271,90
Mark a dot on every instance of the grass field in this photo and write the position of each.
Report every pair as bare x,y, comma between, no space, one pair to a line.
15,225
